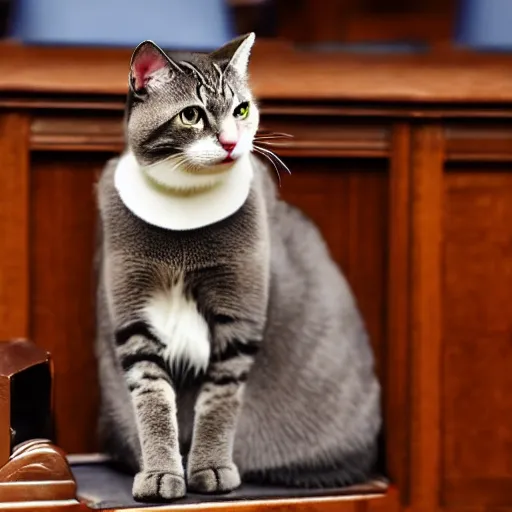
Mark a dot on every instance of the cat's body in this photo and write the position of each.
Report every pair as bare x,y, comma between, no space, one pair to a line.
241,337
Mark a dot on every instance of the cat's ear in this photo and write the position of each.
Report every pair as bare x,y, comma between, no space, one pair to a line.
236,53
148,59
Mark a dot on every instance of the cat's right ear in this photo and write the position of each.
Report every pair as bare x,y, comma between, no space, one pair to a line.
148,65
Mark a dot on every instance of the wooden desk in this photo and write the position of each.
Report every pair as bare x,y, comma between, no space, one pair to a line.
404,162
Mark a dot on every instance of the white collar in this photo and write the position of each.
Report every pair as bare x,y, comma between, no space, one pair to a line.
166,210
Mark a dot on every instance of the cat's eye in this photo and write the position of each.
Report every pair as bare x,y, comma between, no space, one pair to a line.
242,111
190,116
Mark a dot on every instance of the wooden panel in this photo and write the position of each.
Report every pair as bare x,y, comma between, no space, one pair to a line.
480,141
427,176
72,132
14,227
348,202
388,503
278,71
398,364
325,504
63,219
328,138
477,337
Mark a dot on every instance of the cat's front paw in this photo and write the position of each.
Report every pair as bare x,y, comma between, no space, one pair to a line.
158,486
214,479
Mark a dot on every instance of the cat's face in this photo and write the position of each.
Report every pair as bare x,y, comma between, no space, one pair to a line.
195,112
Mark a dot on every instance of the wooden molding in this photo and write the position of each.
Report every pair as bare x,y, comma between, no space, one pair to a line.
14,228
278,72
71,133
398,354
427,166
485,142
324,137
36,471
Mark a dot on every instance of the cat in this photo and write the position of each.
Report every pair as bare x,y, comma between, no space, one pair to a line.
226,333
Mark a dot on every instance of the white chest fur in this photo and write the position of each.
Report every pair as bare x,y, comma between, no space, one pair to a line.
180,326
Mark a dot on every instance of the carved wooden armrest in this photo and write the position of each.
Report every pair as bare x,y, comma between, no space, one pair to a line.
32,469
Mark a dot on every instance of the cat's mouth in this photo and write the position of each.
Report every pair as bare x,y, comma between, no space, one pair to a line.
219,167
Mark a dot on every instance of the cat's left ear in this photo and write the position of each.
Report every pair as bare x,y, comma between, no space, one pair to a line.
147,60
236,53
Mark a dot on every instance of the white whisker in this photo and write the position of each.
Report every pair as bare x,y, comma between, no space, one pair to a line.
275,135
271,161
275,156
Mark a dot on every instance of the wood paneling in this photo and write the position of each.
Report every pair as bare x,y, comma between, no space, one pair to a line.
397,357
479,142
72,132
351,504
14,227
477,337
77,133
278,72
426,215
63,217
404,162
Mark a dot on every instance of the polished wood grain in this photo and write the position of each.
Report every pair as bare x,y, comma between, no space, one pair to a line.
426,218
328,504
71,132
477,342
362,21
398,352
489,141
14,228
31,464
63,217
279,71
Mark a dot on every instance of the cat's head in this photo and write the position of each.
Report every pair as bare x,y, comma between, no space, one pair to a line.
190,114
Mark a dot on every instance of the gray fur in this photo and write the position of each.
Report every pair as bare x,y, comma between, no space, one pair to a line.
290,396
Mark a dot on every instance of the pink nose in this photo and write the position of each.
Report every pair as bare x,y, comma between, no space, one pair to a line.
227,139
227,145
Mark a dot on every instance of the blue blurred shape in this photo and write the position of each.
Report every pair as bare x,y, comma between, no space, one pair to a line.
200,25
485,24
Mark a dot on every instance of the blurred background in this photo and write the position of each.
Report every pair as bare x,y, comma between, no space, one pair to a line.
389,25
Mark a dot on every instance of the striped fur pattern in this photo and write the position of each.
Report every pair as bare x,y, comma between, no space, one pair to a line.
237,346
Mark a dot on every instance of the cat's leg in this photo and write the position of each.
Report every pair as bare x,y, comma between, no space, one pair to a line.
161,475
210,464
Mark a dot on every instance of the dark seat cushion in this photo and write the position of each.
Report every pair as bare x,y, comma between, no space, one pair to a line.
101,485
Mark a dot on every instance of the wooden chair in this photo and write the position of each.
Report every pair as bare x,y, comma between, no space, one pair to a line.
36,475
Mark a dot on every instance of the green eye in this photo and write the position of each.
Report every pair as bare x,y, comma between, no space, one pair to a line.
190,116
242,111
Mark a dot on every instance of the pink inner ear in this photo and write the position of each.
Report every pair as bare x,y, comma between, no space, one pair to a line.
145,64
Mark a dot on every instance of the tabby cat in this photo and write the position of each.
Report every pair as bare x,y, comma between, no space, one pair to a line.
226,333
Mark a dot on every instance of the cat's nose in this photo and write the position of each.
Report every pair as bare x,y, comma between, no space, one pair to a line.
228,135
227,145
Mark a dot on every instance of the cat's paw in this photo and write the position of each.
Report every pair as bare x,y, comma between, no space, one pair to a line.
214,479
158,486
